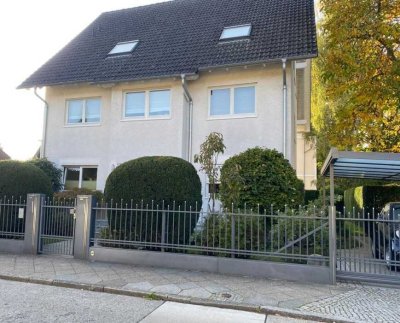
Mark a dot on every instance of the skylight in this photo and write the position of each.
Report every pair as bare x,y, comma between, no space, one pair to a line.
124,47
236,32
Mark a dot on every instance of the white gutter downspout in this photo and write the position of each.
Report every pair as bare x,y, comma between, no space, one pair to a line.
284,146
44,134
190,100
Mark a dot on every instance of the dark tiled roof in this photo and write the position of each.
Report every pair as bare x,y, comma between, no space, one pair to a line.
3,155
182,36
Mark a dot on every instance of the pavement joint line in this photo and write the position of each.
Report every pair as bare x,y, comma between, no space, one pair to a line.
267,310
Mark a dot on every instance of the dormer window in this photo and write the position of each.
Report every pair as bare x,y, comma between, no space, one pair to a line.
235,32
124,48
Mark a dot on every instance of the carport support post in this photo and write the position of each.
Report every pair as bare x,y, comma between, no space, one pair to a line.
83,226
32,223
332,227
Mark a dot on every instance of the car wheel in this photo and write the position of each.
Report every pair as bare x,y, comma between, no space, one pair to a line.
389,257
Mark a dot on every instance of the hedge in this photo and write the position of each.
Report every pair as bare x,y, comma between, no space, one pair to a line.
260,177
51,170
159,181
19,179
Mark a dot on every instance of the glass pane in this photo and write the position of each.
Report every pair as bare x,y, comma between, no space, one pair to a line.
220,102
89,178
135,104
71,178
75,111
123,48
396,214
159,103
234,32
245,100
93,110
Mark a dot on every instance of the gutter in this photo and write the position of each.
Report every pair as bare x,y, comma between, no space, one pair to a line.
45,116
284,90
188,98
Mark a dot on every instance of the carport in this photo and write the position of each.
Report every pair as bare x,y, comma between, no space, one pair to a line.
360,165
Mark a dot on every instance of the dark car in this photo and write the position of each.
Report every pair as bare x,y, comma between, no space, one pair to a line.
386,236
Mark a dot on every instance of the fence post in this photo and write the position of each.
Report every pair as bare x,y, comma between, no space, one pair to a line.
163,223
233,236
32,223
84,208
332,244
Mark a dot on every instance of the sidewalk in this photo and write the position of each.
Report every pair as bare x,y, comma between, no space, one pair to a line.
352,302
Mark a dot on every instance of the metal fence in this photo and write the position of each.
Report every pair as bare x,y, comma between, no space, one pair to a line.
57,226
296,236
368,246
12,218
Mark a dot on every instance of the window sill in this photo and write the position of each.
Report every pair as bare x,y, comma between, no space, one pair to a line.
226,117
82,125
145,119
301,122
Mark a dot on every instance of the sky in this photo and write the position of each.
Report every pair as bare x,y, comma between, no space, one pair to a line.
31,32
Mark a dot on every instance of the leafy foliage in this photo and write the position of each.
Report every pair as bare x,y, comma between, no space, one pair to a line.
259,178
72,194
208,159
19,179
156,182
356,96
51,170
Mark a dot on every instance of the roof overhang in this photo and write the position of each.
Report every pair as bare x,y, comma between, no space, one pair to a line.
363,165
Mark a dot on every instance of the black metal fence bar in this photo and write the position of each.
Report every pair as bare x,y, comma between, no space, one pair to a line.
57,225
297,236
12,218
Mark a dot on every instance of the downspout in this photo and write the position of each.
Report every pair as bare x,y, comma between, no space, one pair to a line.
190,100
284,90
45,115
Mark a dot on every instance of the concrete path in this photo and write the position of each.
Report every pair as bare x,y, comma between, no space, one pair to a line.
352,302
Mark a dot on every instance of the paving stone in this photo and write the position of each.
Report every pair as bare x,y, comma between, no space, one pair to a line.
196,292
167,289
143,286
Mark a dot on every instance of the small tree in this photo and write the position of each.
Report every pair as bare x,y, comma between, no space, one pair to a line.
208,159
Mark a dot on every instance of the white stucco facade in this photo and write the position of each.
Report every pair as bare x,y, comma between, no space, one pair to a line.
115,139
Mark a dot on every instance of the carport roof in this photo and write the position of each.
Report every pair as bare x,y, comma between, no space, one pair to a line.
363,165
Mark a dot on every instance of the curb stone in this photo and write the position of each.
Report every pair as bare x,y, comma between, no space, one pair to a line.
267,310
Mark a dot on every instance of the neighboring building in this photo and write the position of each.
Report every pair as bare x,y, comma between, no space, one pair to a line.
156,80
3,155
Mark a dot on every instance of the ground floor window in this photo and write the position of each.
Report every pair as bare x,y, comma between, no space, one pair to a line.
80,177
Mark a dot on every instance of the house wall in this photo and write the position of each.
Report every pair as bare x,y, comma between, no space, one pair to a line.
115,140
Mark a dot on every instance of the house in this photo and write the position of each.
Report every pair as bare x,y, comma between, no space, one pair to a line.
157,79
3,155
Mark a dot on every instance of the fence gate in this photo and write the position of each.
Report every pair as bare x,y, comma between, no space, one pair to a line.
368,246
57,227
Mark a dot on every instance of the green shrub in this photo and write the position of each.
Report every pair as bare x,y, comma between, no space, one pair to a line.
51,170
260,178
72,194
153,181
19,179
369,198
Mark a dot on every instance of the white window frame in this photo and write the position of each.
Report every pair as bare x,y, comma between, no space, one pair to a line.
83,122
232,114
147,115
80,173
222,38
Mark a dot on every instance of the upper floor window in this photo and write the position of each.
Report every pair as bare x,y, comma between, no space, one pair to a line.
83,111
236,32
147,104
124,47
232,101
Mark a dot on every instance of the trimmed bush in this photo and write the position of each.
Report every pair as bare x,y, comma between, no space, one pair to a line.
72,194
51,170
155,181
260,178
19,179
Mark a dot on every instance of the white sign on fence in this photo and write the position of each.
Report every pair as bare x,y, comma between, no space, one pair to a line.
21,213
